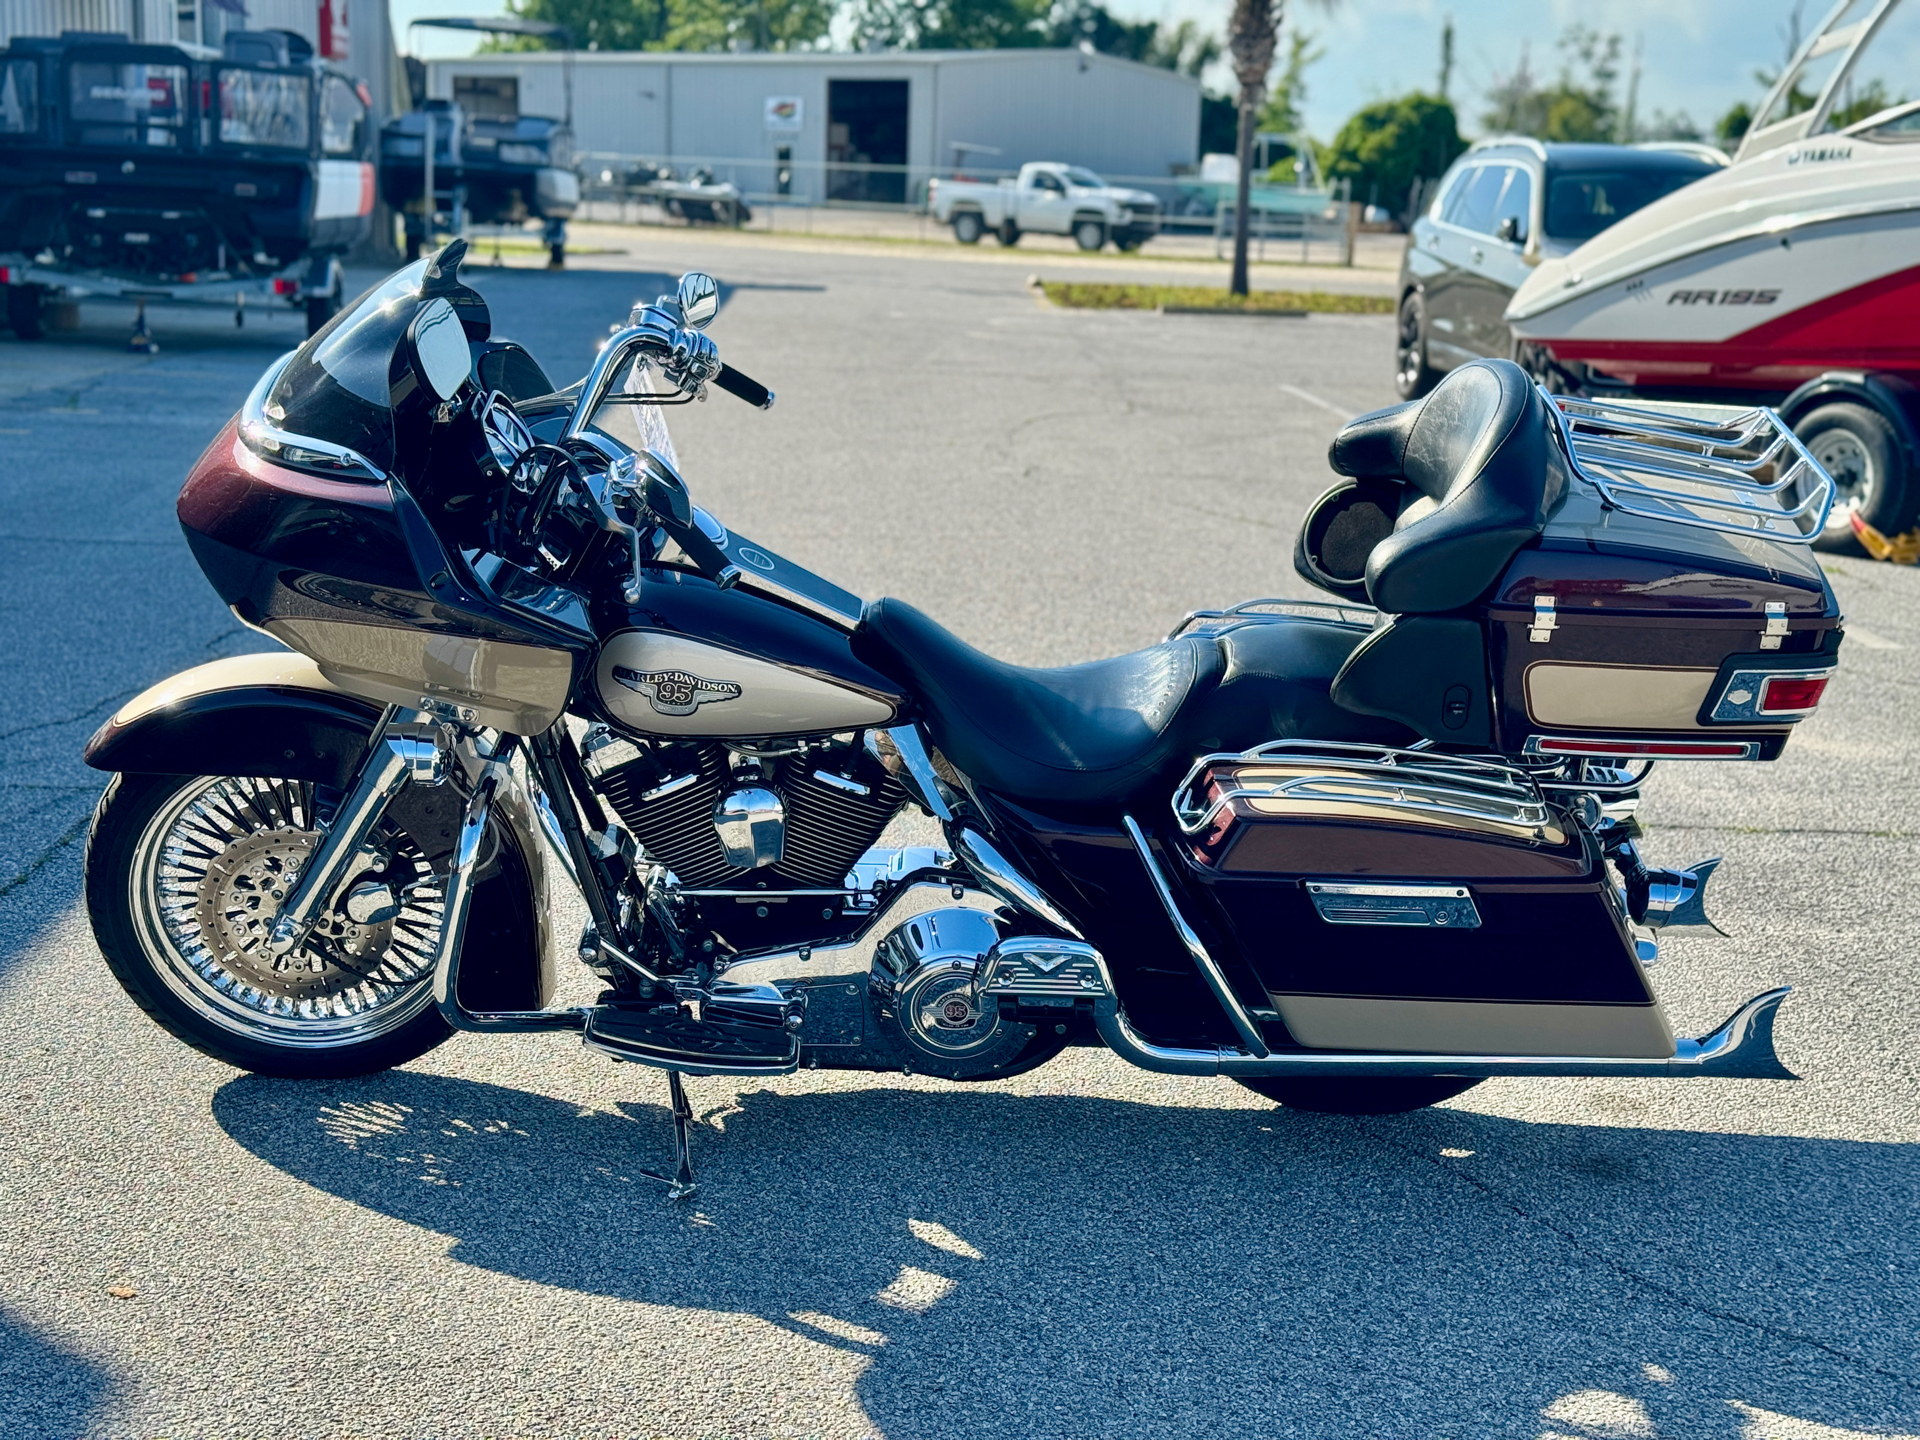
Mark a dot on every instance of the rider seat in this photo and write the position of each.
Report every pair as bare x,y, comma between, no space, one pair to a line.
1099,733
1482,452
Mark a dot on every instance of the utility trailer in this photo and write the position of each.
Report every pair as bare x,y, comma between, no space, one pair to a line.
178,174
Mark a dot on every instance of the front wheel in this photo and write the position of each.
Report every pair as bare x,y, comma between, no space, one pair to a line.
184,875
1858,449
1361,1095
1090,235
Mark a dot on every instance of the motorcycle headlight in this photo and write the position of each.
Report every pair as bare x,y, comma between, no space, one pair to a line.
522,155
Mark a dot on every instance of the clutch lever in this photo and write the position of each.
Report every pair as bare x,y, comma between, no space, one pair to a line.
667,502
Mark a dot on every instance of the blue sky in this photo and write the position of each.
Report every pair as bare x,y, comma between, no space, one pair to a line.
1698,56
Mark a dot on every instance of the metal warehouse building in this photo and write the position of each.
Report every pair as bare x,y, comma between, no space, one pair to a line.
848,127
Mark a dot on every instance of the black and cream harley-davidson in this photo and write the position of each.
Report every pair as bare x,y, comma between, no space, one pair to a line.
1353,853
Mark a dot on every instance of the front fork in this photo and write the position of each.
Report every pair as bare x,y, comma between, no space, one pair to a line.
410,747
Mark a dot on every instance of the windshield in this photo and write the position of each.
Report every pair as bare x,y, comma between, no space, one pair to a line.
263,108
1582,203
115,102
1085,179
335,387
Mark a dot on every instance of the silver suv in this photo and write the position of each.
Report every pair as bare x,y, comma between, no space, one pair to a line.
1507,204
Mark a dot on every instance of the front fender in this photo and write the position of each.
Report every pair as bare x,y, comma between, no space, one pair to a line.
213,720
275,716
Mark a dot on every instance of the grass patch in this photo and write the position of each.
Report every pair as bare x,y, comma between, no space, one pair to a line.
1085,295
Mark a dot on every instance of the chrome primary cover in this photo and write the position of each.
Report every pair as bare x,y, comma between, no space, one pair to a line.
925,975
660,684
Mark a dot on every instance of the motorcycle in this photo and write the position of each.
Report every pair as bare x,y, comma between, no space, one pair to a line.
1354,853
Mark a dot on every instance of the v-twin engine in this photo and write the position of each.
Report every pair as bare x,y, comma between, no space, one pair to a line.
778,816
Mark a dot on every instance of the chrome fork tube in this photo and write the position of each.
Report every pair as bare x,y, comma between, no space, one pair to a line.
390,759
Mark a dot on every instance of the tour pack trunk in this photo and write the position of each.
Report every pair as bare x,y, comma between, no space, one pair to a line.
1411,901
1635,642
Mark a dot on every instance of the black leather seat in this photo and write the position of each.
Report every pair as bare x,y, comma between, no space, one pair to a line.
1481,451
1103,732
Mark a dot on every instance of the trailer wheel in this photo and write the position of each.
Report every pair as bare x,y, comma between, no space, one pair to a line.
1857,447
1008,234
968,227
321,309
1090,234
23,311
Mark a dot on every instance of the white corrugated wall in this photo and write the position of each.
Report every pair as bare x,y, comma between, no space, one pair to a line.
1126,119
150,20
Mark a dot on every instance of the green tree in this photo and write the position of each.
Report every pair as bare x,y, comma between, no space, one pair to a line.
749,24
1184,47
949,24
1253,32
1386,146
1579,105
1732,127
596,24
1084,20
1289,90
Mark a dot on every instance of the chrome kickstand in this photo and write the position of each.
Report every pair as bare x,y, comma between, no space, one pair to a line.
680,1185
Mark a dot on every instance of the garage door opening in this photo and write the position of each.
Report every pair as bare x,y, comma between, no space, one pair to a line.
867,125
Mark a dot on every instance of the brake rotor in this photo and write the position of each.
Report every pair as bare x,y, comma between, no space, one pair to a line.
244,888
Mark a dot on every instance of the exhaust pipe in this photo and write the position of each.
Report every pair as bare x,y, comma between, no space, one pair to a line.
1673,899
1032,969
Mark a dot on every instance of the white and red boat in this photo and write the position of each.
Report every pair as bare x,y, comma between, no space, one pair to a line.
1802,256
1795,269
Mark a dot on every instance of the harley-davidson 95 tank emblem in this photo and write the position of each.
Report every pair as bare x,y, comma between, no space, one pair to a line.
675,692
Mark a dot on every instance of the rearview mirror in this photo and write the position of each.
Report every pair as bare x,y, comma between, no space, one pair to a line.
437,350
1511,230
699,297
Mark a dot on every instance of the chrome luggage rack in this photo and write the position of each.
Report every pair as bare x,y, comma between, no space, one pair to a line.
1253,612
1743,472
1420,782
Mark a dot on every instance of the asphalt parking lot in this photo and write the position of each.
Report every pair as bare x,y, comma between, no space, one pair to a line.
463,1248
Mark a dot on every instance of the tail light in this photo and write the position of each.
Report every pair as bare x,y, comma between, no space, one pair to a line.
1779,692
1791,694
286,287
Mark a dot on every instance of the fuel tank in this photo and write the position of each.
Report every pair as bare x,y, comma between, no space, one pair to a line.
695,661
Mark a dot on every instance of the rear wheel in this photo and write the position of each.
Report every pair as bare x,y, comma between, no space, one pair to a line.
1857,447
184,875
1412,375
968,227
23,311
1361,1095
1089,234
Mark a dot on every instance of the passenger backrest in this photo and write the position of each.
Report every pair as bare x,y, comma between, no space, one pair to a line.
1481,451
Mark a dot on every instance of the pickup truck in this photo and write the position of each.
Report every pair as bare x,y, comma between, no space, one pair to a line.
1047,199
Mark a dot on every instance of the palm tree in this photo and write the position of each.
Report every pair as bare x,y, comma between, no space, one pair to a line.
1252,34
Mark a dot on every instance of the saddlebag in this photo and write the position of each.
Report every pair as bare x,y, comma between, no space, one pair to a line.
1410,901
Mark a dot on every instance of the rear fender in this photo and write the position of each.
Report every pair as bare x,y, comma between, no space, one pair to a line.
275,716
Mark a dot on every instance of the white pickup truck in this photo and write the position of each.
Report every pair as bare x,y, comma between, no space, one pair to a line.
1048,199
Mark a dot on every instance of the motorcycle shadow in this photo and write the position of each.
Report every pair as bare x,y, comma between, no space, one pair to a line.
1072,1265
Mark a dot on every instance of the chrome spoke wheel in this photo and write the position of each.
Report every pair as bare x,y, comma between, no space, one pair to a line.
210,871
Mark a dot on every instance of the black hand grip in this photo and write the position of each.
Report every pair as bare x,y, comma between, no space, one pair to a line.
744,388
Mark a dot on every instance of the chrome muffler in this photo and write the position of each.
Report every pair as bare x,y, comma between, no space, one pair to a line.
1032,971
